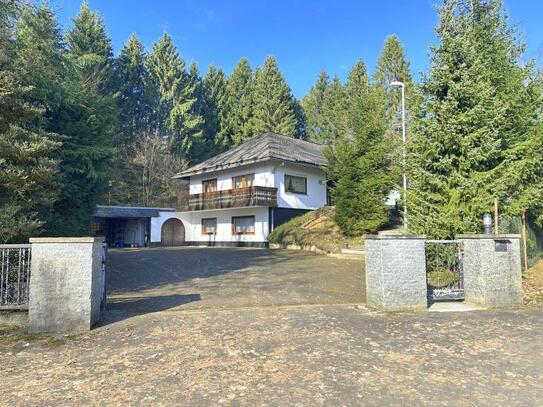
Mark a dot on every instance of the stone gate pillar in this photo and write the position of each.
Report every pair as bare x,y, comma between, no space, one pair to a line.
396,272
65,284
492,270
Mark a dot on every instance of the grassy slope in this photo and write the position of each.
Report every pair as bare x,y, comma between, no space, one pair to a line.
316,228
533,285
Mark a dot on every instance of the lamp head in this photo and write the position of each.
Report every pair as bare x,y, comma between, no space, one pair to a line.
396,83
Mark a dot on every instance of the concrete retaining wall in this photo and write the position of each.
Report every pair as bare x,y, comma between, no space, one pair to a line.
65,283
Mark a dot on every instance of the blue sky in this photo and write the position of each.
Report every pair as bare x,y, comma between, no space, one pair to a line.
305,36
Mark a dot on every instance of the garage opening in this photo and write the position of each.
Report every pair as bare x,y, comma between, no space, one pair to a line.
173,233
124,226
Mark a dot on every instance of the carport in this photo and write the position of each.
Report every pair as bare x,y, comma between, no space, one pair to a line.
124,226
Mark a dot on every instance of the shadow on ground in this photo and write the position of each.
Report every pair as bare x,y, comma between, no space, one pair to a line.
160,279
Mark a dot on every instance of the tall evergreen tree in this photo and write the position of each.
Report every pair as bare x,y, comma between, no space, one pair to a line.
28,171
274,109
478,124
361,162
176,121
76,110
135,102
90,46
392,65
238,106
214,85
315,112
324,108
134,99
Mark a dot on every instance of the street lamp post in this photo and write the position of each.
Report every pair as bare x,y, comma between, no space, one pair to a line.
404,178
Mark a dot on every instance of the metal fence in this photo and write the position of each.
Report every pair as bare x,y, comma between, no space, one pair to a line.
444,270
14,275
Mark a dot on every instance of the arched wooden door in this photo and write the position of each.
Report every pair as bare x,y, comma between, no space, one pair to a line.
173,233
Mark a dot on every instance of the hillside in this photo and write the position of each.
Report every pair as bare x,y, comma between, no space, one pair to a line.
533,285
316,228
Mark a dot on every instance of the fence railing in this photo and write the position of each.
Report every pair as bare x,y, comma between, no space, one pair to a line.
14,275
230,198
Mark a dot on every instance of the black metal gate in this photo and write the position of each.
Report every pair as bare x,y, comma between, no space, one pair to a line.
444,270
14,276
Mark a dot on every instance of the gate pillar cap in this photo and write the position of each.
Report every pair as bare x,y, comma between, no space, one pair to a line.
393,236
494,237
86,239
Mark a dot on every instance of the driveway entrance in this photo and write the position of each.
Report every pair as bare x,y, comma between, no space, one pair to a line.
158,279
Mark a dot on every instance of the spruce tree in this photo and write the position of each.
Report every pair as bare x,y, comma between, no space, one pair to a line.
76,110
392,65
90,46
478,124
273,102
361,163
135,111
238,106
315,112
176,121
134,99
28,171
214,85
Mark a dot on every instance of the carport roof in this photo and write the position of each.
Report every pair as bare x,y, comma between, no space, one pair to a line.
103,211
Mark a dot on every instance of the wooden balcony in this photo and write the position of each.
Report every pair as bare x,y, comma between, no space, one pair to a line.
229,198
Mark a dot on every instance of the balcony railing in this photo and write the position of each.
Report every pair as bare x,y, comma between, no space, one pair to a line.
229,198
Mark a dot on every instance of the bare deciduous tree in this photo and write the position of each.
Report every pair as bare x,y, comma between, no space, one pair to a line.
157,165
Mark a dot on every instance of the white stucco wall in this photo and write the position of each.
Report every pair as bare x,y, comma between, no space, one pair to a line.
193,221
273,175
263,177
316,187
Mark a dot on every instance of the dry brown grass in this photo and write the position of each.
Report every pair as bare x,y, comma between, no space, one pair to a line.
533,285
316,228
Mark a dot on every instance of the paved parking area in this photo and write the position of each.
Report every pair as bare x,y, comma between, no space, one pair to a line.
160,279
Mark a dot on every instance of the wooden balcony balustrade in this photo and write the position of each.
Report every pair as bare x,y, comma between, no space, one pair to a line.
229,198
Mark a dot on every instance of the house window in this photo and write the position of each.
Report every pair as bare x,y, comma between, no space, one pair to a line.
209,226
297,185
209,185
243,181
243,225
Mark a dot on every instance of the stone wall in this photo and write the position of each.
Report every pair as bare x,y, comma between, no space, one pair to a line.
65,284
492,270
396,272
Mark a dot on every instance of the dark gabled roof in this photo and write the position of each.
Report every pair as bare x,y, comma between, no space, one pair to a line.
265,147
103,211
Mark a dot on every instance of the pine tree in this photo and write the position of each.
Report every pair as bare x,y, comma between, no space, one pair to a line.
273,102
176,120
360,163
478,124
214,84
28,171
238,106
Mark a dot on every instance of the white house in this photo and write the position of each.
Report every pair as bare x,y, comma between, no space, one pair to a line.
235,198
238,197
